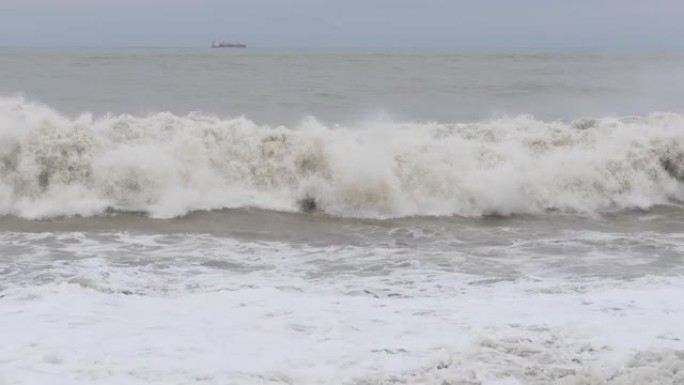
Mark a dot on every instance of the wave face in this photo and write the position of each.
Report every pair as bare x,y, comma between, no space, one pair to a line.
167,165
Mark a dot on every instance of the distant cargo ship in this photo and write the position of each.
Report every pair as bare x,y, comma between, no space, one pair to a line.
227,45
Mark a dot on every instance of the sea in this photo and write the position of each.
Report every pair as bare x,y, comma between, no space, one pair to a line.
341,216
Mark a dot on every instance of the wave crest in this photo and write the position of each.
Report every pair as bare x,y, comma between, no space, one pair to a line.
167,165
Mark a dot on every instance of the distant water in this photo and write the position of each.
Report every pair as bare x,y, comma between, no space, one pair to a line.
341,217
282,87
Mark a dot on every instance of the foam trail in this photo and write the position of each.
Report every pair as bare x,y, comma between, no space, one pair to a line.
167,165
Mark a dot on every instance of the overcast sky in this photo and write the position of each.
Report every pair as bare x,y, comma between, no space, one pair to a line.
484,24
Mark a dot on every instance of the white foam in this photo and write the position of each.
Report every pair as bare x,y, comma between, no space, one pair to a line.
522,332
83,308
168,165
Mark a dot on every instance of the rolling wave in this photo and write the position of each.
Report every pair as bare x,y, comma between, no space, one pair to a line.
167,165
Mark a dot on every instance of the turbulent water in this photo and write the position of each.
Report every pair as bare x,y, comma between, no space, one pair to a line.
325,217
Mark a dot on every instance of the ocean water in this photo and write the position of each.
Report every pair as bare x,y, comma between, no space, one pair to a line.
176,216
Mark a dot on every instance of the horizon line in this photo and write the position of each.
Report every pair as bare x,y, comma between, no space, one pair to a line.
351,47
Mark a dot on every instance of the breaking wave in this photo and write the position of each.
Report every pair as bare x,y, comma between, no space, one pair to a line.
167,165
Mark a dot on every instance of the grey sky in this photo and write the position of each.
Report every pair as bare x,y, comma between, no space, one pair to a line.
349,23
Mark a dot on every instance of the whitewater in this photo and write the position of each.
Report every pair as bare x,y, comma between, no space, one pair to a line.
172,216
167,165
